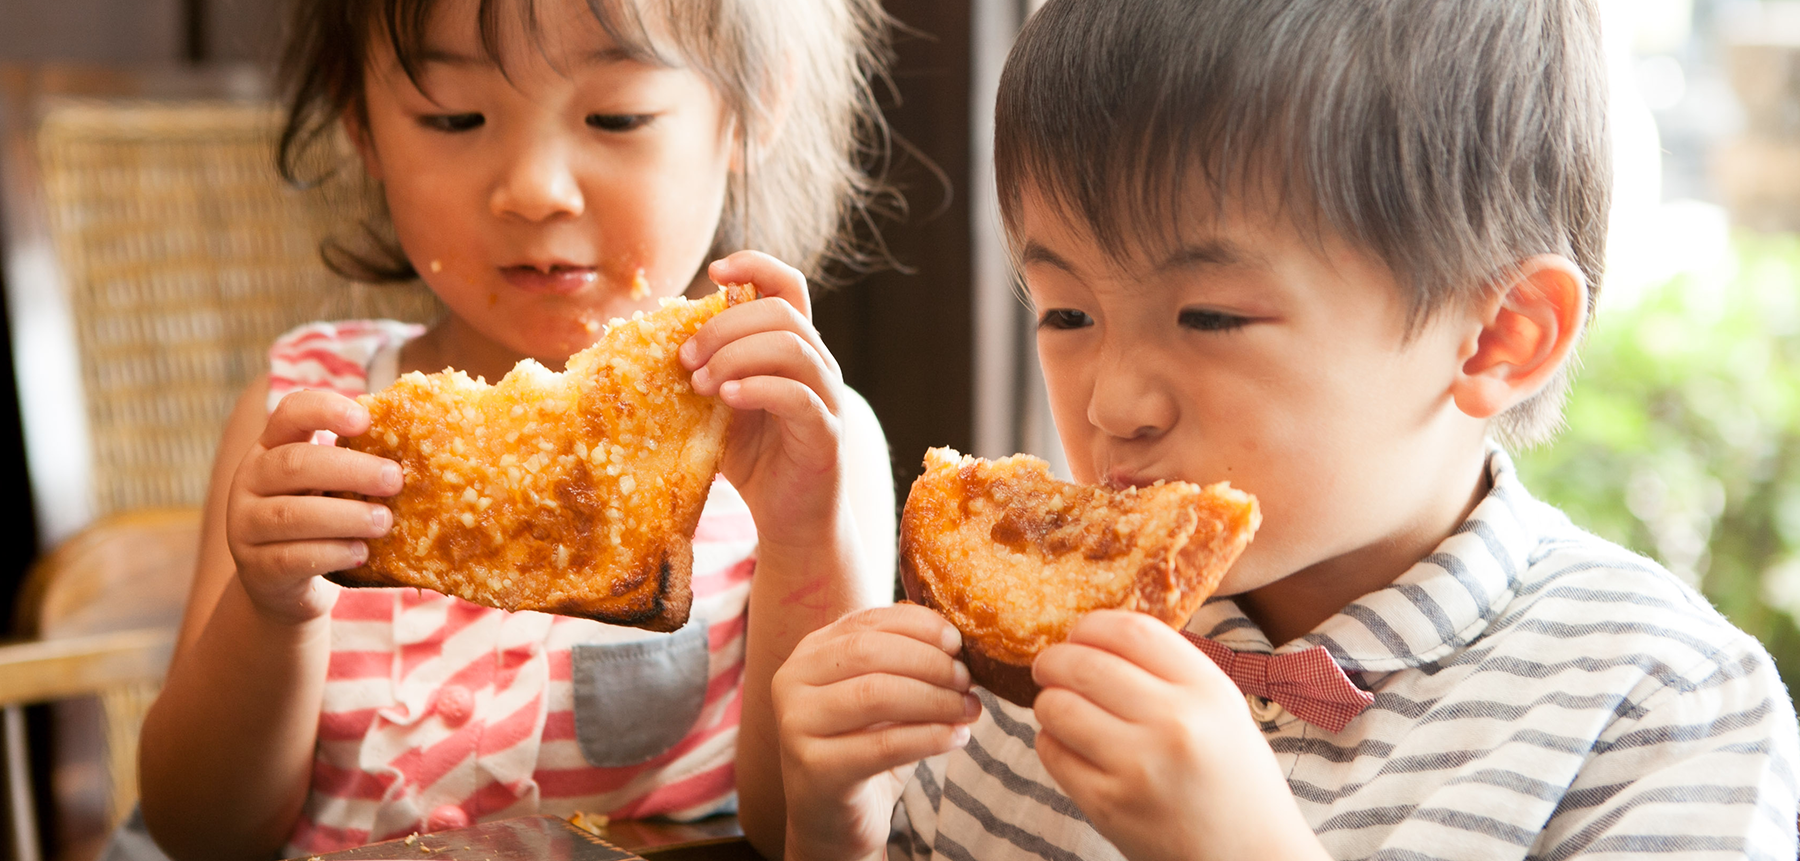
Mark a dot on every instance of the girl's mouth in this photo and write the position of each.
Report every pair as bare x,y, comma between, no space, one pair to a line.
558,279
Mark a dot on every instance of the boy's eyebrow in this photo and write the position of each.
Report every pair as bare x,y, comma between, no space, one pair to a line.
1211,252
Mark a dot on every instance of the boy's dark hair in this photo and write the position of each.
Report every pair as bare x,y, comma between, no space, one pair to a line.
1450,138
796,75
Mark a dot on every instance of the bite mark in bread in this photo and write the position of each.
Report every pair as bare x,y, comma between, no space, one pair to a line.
1013,557
574,493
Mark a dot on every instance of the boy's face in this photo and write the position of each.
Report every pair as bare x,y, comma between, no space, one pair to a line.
1254,354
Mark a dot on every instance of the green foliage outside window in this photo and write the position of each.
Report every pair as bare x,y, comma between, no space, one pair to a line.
1683,437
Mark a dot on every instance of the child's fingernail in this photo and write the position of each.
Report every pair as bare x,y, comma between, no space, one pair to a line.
390,476
971,706
701,378
959,737
359,554
951,640
959,676
687,353
381,519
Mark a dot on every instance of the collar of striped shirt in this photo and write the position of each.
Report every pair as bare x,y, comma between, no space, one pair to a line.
1439,606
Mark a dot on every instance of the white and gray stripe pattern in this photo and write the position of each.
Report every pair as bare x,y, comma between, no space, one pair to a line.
1539,694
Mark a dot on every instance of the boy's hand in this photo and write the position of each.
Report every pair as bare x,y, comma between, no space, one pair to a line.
1156,745
282,533
765,360
871,693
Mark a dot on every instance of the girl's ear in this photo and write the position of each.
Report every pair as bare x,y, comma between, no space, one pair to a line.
1529,331
771,120
357,129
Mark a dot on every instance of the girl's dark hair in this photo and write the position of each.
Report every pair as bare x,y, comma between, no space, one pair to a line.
1450,138
795,74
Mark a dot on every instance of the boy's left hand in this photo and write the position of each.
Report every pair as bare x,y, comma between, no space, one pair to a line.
1157,747
765,360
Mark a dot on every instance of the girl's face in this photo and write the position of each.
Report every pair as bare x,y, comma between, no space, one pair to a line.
543,195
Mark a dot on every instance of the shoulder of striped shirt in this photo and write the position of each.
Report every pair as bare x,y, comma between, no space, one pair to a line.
1636,599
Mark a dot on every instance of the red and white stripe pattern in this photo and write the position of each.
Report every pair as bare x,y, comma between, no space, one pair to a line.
438,713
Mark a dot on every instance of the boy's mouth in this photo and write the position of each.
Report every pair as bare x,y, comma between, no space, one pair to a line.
1126,478
560,279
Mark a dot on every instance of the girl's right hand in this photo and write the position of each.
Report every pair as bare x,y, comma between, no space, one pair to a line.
281,531
869,694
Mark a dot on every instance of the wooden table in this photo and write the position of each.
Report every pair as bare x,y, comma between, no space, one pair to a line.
551,838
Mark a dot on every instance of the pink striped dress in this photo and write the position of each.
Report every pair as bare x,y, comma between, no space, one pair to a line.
438,713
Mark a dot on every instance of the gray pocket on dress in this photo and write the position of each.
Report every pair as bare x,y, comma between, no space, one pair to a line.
634,701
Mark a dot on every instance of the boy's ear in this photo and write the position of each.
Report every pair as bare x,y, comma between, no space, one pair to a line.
357,130
1529,330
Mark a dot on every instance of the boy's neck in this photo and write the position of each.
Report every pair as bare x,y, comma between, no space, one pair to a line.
1296,604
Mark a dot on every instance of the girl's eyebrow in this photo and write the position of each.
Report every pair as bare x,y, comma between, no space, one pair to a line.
1036,252
444,56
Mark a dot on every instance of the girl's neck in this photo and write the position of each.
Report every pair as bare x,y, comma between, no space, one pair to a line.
453,343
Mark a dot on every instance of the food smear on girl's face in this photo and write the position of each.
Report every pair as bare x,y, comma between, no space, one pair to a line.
553,182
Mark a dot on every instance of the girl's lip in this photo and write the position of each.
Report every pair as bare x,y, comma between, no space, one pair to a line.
558,279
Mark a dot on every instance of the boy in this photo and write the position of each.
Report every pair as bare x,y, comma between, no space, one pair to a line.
1325,250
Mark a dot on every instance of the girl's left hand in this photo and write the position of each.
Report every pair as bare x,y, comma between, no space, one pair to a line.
765,360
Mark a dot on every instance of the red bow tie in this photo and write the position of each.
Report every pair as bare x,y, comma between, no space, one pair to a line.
1308,683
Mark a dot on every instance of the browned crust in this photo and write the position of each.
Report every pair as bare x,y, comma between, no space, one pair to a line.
653,591
1203,534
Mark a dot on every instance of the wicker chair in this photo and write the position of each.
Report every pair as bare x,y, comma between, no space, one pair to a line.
152,255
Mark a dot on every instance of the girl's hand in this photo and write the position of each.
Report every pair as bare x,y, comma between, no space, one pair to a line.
870,694
281,532
1156,745
765,360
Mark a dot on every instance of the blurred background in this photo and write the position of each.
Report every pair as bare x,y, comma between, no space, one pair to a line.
1683,437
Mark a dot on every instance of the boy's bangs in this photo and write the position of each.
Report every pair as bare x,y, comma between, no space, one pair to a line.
1129,138
1449,139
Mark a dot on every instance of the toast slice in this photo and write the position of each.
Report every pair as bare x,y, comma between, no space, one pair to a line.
1013,557
574,493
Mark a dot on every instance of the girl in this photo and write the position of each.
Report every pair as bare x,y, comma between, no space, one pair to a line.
546,164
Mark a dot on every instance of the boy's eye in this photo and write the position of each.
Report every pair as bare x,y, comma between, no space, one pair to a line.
452,122
1211,321
617,122
1064,318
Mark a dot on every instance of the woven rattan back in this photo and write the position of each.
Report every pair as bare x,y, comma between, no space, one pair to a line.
183,255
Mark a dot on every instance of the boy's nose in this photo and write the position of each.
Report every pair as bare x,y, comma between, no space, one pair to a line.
1129,399
538,185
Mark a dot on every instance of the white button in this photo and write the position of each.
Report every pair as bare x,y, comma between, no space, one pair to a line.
1266,711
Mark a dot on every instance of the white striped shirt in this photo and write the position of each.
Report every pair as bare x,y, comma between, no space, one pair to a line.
1539,693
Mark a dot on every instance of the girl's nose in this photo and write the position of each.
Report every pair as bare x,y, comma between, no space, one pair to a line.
1130,398
539,184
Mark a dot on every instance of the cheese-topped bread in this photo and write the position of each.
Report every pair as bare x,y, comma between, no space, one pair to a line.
574,493
1013,557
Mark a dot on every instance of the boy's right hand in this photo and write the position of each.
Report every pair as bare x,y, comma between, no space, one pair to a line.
282,533
872,692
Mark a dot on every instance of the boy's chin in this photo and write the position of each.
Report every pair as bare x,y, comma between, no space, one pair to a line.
1247,575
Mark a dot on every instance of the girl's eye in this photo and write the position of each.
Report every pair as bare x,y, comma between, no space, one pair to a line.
1064,318
452,122
617,122
1211,321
